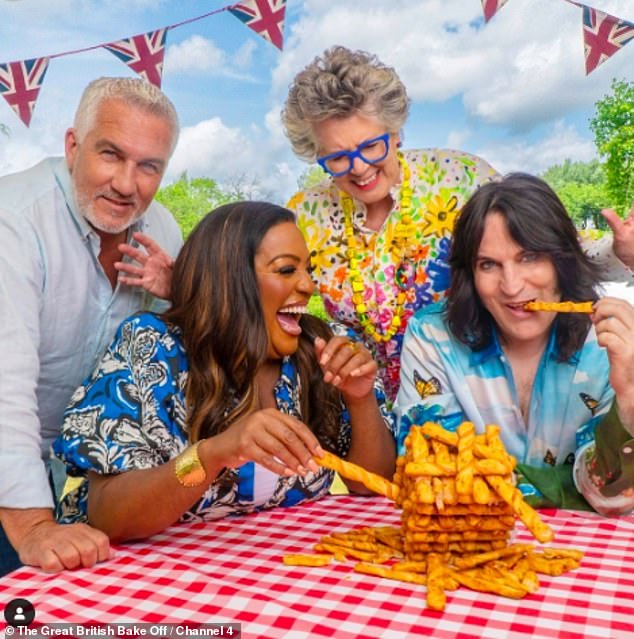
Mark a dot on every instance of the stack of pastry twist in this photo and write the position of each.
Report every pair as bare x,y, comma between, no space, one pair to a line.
459,506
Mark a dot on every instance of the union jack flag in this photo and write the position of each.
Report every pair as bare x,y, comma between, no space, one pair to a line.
142,53
491,7
603,36
20,84
265,17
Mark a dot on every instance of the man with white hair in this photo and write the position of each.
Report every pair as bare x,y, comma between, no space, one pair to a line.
80,250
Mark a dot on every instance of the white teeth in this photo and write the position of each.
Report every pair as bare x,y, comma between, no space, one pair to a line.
364,182
294,310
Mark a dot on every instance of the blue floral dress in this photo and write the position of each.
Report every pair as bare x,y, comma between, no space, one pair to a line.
131,414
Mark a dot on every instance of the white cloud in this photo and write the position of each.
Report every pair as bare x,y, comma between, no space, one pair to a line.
457,139
561,142
212,149
243,57
193,55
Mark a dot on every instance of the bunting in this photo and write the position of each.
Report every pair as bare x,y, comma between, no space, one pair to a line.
142,53
603,36
491,7
20,84
265,17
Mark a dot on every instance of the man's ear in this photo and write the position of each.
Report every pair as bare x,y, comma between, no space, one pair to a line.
71,144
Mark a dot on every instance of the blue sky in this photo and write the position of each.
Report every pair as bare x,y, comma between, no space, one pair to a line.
513,91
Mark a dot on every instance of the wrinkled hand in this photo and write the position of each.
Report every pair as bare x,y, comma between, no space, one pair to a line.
55,547
347,365
274,440
153,268
613,321
622,235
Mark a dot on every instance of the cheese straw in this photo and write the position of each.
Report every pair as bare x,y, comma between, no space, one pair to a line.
351,471
560,307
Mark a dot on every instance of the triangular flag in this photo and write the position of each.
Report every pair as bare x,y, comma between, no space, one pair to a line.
20,84
142,53
603,36
265,17
491,7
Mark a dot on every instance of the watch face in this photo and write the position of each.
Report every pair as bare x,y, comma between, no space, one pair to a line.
19,612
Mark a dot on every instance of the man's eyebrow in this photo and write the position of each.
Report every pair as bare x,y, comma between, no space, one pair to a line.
104,143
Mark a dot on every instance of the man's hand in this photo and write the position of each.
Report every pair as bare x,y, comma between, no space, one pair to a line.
622,234
40,541
153,270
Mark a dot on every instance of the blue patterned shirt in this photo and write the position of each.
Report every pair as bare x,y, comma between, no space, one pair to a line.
131,414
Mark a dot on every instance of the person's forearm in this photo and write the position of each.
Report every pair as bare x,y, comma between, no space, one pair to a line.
372,445
18,522
139,503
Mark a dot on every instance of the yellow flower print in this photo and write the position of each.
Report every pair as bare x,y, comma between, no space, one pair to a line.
319,245
295,201
440,217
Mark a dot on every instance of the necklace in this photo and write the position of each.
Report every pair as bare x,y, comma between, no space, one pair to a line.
401,241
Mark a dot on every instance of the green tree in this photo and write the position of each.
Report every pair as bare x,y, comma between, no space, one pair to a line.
613,128
190,199
581,187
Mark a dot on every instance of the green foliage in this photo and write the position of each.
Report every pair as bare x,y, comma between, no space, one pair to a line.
569,171
581,187
190,200
613,128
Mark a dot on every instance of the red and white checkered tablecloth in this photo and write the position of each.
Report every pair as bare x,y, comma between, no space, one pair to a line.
231,571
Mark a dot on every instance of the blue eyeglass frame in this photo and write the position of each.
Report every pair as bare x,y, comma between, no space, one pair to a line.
357,153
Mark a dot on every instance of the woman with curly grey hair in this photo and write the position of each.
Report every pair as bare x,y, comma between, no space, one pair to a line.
379,227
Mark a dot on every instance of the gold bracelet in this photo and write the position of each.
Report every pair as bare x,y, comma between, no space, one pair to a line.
188,468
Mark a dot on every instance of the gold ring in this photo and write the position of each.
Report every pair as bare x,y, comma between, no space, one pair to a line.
353,345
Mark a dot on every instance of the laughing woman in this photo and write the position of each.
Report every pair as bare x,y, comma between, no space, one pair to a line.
218,406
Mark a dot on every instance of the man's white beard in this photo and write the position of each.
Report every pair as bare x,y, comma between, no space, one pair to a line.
113,227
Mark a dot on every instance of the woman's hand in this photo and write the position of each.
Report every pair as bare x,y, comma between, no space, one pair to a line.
155,271
613,321
272,439
347,365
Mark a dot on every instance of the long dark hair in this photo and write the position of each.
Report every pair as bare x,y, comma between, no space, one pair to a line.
216,304
537,221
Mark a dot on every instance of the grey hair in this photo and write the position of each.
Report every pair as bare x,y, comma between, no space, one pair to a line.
134,92
339,84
